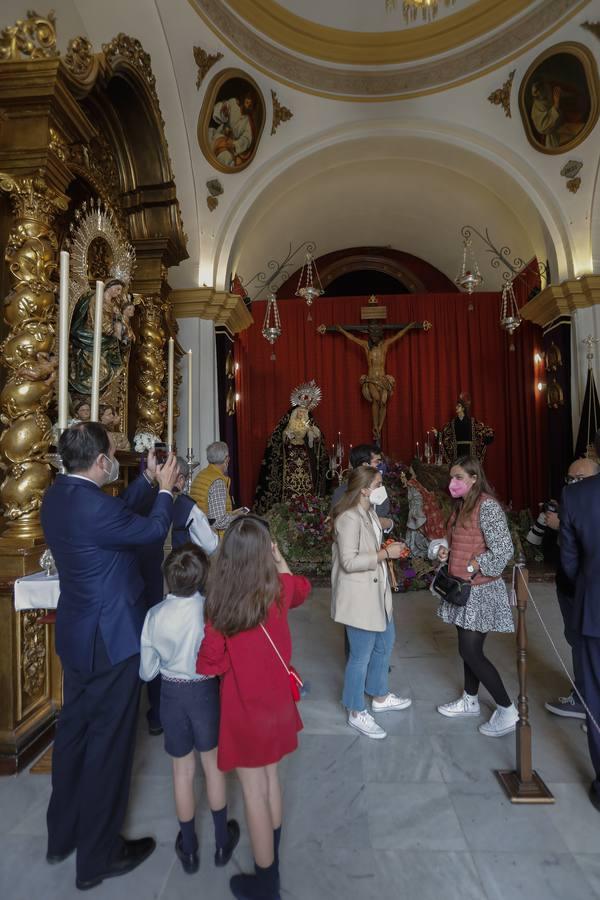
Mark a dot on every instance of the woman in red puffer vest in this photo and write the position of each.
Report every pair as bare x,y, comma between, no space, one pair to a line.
479,547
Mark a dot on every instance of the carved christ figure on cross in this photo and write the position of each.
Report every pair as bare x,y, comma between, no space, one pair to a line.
377,386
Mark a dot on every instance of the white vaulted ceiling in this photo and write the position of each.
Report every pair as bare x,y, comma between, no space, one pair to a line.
405,173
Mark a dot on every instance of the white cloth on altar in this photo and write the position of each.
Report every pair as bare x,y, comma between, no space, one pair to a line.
37,591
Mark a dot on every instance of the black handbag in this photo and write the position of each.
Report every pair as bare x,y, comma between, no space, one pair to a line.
449,587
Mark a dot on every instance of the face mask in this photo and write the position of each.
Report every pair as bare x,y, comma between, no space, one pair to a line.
378,496
113,472
458,488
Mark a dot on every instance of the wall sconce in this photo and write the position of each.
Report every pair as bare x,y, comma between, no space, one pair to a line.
540,386
232,397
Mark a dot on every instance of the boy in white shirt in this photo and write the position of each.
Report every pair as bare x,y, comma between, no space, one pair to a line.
189,703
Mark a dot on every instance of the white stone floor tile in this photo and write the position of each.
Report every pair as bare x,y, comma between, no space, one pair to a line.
419,815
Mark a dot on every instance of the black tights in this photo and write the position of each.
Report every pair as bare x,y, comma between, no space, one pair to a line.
478,668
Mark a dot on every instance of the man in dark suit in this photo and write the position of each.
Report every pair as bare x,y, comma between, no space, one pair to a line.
580,557
93,538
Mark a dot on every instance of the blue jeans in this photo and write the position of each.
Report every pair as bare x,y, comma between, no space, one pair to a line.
368,664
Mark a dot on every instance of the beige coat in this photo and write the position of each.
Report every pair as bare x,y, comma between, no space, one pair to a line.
360,590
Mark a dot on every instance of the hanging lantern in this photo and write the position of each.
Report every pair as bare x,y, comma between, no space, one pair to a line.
271,329
308,291
469,278
510,318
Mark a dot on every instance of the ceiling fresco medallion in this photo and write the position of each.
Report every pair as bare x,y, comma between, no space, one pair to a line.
558,98
231,121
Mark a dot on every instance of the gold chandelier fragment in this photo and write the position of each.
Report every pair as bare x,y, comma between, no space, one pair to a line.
411,8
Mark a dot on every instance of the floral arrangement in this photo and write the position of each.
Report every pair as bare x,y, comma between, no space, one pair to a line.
302,528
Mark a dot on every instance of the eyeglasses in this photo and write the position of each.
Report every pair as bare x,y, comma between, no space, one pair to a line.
571,479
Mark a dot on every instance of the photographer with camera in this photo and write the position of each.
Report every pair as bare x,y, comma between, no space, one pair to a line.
569,706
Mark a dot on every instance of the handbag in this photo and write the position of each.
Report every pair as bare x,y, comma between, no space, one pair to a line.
450,587
295,681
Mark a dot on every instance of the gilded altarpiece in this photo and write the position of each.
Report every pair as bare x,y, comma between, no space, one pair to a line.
67,139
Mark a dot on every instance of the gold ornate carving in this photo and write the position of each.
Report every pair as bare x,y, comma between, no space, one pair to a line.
79,58
280,112
29,310
573,184
223,308
151,367
96,162
501,96
594,27
212,202
33,653
33,37
205,61
58,145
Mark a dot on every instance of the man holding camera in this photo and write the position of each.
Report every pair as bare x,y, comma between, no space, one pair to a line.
570,706
580,557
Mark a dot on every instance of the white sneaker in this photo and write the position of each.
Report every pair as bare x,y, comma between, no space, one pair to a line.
390,703
464,706
503,720
366,724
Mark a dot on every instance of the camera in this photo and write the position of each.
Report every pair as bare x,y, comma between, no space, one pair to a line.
536,533
162,452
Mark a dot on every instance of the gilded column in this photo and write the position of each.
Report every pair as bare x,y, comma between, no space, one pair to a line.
151,367
27,354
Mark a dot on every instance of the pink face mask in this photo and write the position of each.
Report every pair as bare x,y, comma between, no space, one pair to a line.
458,488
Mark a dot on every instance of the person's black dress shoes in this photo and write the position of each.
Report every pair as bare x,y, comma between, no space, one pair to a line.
54,858
595,797
224,854
154,729
131,854
189,861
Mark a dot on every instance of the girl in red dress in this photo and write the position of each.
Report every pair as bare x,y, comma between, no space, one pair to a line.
249,593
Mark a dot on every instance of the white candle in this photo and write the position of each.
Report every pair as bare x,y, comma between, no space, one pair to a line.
63,342
95,391
418,457
170,393
189,356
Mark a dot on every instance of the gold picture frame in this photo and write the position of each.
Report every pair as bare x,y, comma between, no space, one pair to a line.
231,121
558,98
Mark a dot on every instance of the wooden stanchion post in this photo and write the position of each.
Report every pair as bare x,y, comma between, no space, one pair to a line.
523,785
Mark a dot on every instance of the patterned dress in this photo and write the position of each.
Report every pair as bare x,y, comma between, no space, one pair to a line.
488,607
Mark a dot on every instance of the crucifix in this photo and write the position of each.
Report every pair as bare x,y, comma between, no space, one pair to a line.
377,386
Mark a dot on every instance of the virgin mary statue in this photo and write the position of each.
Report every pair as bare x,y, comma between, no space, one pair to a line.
295,460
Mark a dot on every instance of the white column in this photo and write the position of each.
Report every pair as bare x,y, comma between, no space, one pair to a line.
199,336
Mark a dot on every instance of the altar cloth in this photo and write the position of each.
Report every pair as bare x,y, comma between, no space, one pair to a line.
37,591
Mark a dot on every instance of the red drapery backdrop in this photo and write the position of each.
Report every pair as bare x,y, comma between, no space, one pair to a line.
464,351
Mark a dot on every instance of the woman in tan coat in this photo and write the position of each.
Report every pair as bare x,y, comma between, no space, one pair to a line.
361,599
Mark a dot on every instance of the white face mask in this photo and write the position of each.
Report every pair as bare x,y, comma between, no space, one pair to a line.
378,496
113,472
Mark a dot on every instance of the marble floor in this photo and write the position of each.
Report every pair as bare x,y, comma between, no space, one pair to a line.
417,816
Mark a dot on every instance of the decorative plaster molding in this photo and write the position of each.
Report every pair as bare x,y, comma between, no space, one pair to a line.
594,27
501,96
280,112
221,307
205,61
562,299
376,84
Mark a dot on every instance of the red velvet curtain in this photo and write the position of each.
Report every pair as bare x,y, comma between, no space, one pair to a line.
464,351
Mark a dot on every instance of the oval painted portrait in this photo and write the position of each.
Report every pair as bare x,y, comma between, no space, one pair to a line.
558,98
231,121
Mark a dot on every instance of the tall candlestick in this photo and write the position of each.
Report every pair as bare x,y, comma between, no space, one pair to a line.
63,342
418,457
189,356
95,391
170,392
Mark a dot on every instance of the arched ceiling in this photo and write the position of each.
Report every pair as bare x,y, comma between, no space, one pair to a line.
292,41
364,194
